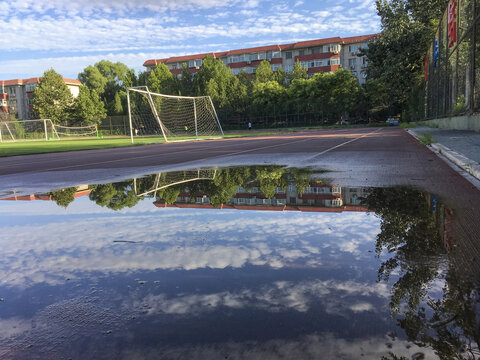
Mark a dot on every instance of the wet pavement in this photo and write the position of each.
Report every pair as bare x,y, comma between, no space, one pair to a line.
250,262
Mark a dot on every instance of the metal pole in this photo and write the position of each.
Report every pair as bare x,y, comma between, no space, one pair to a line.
45,128
129,115
195,115
154,109
216,117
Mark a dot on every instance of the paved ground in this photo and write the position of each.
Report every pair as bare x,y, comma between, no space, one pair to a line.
355,157
462,141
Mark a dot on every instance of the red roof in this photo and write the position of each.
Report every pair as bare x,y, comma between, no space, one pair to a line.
361,38
253,50
35,80
318,42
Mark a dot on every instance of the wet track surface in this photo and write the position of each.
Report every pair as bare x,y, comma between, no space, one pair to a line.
364,245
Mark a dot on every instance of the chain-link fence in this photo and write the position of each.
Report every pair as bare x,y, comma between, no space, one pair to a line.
452,66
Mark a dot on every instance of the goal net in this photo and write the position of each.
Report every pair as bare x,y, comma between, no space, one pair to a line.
27,130
176,118
152,184
72,131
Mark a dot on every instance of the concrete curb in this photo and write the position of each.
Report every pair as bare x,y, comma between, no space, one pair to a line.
470,166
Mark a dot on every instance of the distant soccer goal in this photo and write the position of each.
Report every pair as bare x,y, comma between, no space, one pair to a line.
176,118
76,131
27,130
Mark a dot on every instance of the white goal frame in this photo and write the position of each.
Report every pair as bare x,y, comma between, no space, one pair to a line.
9,124
145,91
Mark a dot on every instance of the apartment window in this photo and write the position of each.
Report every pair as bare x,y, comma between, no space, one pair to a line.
276,54
249,70
311,64
318,63
29,87
335,61
301,52
173,66
191,63
253,57
315,51
224,61
304,65
241,58
325,48
261,56
269,55
352,48
288,55
352,62
235,71
198,62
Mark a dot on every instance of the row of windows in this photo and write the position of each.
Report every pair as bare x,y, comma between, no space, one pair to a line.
320,62
271,55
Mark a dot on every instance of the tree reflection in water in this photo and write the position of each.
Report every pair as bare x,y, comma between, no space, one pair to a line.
411,235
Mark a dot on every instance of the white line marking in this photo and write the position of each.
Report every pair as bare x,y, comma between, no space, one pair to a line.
342,144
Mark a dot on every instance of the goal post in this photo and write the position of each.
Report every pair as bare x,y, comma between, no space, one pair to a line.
27,130
175,118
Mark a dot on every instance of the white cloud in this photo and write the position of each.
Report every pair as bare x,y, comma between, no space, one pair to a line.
69,246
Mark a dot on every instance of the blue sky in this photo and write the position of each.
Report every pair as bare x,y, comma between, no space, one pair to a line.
68,35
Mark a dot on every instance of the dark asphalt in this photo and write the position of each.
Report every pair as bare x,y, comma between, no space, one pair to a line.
355,157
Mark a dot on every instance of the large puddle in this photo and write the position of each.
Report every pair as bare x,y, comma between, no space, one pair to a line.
261,262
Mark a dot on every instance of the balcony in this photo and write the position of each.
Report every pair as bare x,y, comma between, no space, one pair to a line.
317,56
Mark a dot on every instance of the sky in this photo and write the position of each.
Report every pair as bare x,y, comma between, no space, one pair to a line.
69,35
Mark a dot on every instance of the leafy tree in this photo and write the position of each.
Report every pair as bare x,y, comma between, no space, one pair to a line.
114,196
88,108
264,72
298,72
161,80
280,76
63,197
216,80
107,79
396,57
186,82
268,94
93,79
52,99
117,107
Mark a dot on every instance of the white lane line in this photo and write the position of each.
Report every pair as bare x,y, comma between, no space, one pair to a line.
342,144
157,155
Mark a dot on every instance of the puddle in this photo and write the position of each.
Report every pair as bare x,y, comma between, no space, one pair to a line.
237,263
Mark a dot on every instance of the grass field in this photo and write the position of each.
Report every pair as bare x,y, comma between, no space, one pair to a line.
41,147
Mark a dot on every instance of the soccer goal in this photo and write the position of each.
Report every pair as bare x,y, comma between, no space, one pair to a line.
176,118
77,131
27,130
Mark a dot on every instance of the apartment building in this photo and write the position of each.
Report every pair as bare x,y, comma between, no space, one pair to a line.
316,56
16,96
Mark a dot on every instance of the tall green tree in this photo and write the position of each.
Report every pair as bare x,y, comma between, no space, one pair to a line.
88,108
107,79
396,57
264,72
162,81
216,80
52,99
298,72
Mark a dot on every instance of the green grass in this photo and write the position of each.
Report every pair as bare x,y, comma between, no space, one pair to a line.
425,139
41,147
